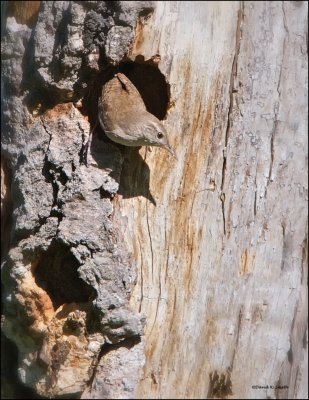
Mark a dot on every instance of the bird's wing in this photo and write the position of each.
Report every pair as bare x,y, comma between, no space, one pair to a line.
120,102
131,91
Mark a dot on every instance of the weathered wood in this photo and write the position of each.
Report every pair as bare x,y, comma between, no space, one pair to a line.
222,256
219,236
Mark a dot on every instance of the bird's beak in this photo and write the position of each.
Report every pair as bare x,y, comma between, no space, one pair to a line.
170,150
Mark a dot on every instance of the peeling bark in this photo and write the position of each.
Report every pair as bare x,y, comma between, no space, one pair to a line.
68,276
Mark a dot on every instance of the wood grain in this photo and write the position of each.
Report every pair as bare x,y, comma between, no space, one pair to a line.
220,255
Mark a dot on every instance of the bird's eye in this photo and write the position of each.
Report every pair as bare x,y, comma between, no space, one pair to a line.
160,135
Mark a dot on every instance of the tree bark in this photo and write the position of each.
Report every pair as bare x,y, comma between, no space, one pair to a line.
138,275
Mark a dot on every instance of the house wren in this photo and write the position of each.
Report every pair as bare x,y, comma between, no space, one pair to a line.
124,118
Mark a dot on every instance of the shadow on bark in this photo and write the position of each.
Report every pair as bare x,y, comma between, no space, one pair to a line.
154,90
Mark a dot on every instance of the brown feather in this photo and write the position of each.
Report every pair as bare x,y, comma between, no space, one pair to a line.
120,102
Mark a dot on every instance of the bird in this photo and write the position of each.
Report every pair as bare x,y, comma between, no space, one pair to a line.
124,118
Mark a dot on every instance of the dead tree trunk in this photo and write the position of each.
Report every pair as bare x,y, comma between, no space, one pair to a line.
138,275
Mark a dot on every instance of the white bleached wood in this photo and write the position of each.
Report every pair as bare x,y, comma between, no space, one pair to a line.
222,255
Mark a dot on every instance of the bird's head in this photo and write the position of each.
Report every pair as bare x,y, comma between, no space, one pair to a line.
155,134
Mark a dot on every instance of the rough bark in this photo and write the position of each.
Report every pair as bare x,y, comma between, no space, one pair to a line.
67,276
139,275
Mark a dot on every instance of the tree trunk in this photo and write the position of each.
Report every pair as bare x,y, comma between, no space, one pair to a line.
139,275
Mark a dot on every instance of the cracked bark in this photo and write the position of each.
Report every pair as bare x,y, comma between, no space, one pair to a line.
68,276
225,308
